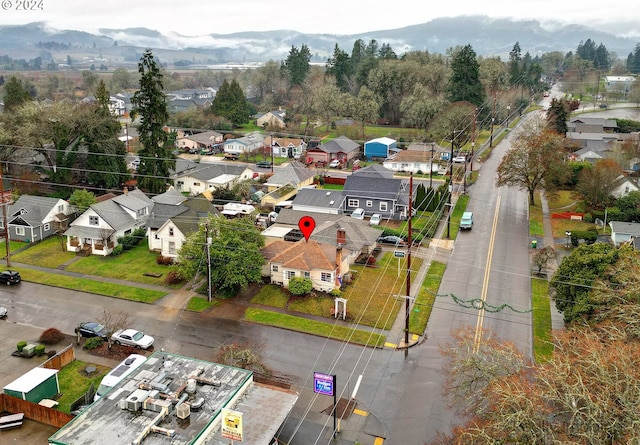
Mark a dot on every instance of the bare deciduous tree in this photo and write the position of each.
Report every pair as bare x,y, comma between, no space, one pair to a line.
113,321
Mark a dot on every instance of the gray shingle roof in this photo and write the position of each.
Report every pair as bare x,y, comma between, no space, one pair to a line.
36,208
294,173
341,144
329,199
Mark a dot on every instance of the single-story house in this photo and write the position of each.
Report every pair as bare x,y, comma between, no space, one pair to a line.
197,178
623,186
319,201
206,139
380,148
324,264
97,230
165,205
286,147
622,232
246,144
275,118
294,173
419,157
341,148
583,124
34,218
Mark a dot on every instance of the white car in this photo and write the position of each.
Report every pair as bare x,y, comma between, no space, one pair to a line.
132,337
375,219
335,163
3,312
459,159
358,214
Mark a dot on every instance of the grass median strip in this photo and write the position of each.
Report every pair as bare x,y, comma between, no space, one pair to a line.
300,324
94,287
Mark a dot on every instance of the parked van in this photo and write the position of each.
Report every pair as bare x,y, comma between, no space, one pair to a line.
117,374
358,214
466,222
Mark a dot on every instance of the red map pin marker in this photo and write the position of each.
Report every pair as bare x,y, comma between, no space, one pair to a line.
306,225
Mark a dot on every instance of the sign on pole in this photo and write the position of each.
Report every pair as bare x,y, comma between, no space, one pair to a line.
399,253
231,424
324,383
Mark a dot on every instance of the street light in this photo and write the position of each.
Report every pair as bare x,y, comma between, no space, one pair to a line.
568,235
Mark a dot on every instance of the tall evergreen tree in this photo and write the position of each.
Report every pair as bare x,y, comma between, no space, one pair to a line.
339,66
231,103
297,64
15,94
558,115
515,56
150,103
465,82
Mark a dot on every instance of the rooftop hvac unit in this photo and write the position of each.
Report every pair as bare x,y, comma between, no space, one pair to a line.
183,411
136,399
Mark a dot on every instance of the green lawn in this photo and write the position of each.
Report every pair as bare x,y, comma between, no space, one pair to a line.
313,327
131,265
542,336
74,382
425,299
49,253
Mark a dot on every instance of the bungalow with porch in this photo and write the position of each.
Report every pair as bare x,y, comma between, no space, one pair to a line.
97,230
33,218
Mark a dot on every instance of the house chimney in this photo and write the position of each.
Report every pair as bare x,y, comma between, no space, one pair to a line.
341,238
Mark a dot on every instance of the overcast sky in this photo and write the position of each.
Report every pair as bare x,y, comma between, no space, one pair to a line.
198,17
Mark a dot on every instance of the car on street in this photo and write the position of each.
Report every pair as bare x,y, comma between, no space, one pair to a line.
3,312
392,239
466,222
92,329
459,159
132,337
264,164
10,277
375,219
358,214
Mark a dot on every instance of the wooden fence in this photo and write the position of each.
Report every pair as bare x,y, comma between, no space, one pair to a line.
61,359
34,411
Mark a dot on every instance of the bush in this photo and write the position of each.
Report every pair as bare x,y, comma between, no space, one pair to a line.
117,250
51,336
589,236
93,342
39,350
20,346
173,277
336,293
300,286
164,260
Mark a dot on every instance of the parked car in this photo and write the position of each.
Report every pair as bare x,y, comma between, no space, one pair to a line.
264,164
358,214
232,156
460,159
336,163
194,150
466,222
10,277
375,219
132,337
392,239
92,329
3,312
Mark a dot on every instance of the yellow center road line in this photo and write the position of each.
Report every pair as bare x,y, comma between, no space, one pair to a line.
485,283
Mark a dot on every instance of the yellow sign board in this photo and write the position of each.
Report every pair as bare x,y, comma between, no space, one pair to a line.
231,424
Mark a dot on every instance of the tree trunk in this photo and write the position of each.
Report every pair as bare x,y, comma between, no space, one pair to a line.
532,197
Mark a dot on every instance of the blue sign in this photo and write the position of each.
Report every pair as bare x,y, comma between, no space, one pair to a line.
324,383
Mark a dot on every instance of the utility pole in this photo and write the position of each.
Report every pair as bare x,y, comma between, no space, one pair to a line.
493,118
208,240
4,202
431,167
453,135
406,301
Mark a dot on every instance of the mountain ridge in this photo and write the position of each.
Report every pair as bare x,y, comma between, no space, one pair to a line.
488,37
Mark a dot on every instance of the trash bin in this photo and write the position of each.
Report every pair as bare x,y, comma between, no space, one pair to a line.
534,244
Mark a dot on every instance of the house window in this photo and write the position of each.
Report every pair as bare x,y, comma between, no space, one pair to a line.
127,232
353,202
274,268
326,277
368,203
196,184
93,220
141,212
20,231
170,231
172,247
61,208
291,274
307,274
46,227
384,206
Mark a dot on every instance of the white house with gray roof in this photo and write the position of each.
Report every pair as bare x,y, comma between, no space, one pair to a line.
319,200
622,232
246,144
34,218
97,230
197,178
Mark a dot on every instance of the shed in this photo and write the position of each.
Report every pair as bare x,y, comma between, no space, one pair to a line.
35,385
380,148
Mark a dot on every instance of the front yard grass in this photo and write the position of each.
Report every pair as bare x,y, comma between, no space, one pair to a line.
200,304
542,334
131,265
48,253
314,327
95,287
426,298
74,382
536,218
